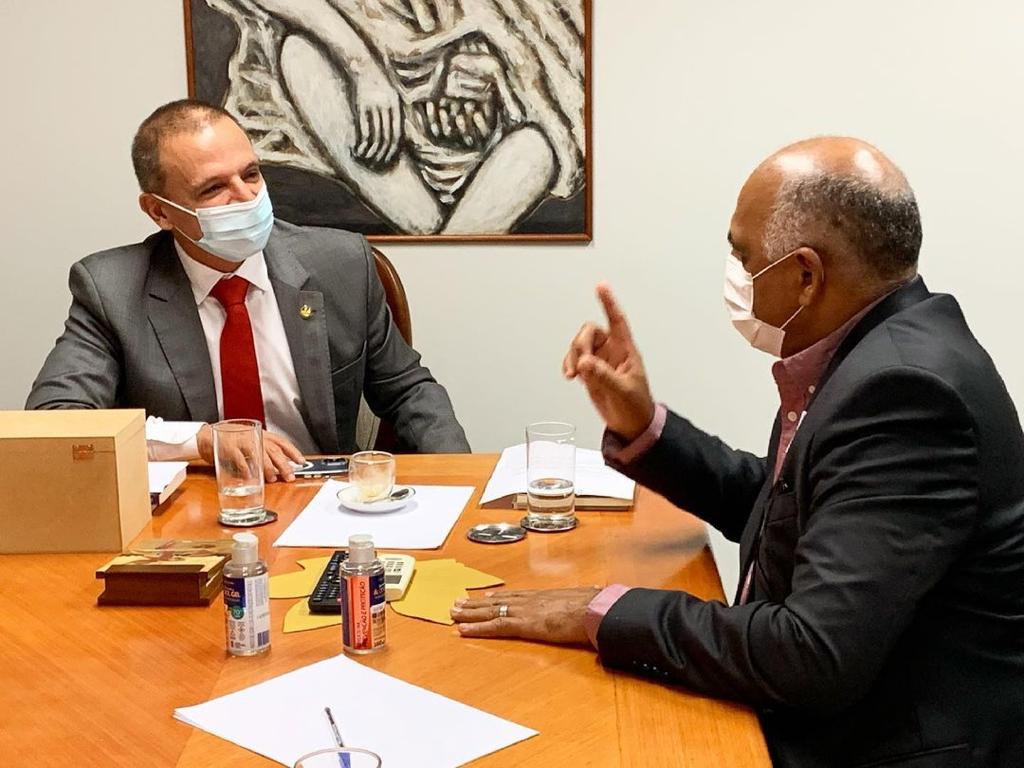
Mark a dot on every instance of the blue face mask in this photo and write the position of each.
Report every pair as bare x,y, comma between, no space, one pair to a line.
236,231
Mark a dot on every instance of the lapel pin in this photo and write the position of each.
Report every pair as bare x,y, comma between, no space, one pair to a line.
305,311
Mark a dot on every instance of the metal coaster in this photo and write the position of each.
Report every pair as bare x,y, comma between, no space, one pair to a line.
268,518
547,527
496,533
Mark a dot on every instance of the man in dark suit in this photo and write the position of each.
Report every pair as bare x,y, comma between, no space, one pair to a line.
229,313
880,618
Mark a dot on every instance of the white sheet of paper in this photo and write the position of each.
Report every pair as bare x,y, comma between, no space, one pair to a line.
162,472
283,718
423,523
593,476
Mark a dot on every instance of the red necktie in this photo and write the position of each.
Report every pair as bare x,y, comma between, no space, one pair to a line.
239,371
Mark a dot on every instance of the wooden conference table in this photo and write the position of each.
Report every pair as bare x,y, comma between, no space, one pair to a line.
98,685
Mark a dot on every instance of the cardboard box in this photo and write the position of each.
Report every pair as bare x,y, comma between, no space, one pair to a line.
72,480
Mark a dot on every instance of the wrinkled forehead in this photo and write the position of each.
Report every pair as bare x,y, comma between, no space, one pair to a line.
216,148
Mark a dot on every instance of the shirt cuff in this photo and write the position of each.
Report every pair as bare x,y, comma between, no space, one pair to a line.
619,453
600,606
172,440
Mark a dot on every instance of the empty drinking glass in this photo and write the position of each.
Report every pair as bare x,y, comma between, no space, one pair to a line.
373,475
346,757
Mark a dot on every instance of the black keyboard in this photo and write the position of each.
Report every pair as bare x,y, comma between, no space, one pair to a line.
326,597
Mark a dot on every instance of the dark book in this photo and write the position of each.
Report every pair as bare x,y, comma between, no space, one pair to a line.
166,572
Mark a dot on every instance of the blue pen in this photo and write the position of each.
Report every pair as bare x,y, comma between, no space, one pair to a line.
345,760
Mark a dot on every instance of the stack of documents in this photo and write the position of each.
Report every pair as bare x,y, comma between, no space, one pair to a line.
283,718
598,486
423,523
164,479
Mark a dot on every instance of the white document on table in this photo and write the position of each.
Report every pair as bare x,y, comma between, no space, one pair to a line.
423,523
593,476
283,718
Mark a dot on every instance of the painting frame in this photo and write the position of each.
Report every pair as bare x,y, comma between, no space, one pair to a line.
585,233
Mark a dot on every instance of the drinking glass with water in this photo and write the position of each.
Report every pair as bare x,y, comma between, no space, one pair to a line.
238,458
551,476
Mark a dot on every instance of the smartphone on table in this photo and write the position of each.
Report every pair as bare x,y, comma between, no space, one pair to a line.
325,466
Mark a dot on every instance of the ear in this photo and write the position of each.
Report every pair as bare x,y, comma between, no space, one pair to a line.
155,210
812,274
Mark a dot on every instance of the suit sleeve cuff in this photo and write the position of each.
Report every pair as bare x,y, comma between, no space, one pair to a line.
618,453
599,606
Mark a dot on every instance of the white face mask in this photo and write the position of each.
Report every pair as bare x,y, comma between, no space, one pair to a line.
739,300
236,231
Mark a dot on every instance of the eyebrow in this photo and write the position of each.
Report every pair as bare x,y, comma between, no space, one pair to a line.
732,242
198,188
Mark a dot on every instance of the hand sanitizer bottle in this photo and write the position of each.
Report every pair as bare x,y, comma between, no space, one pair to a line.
246,599
362,598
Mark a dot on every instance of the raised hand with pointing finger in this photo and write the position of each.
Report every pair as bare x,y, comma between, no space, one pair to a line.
608,363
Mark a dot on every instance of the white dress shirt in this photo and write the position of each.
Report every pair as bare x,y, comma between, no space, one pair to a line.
280,386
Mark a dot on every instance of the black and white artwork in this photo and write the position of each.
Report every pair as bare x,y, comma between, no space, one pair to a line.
409,119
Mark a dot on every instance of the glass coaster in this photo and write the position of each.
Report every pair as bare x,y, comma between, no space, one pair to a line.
269,517
548,527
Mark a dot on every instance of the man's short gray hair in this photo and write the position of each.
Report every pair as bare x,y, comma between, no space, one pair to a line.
882,227
181,116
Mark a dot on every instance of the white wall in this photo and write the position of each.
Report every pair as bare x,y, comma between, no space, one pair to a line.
688,96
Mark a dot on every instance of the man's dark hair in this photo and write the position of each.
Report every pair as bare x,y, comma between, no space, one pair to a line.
881,226
181,116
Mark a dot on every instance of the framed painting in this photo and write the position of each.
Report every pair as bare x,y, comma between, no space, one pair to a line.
410,120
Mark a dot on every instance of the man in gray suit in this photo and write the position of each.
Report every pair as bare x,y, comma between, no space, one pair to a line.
229,313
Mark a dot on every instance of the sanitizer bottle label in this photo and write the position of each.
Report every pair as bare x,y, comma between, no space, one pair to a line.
362,612
247,614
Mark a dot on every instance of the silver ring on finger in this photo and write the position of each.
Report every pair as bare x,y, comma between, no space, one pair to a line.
503,611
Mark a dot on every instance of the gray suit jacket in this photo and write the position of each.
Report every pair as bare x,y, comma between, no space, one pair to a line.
133,339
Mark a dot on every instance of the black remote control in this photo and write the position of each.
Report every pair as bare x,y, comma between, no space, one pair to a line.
326,596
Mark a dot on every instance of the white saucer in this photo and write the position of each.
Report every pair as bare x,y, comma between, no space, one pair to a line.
348,499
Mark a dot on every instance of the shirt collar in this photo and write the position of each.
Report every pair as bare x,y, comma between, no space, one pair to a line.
202,278
802,371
